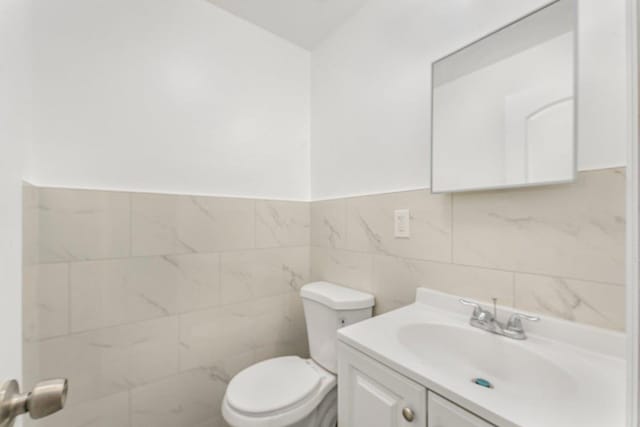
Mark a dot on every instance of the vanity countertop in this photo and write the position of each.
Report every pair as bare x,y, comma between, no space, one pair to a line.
565,374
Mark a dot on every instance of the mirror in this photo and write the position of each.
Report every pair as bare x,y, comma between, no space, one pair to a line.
503,108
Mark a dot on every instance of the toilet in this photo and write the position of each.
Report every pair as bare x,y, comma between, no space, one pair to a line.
291,391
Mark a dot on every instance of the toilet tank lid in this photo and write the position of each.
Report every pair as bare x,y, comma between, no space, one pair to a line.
337,297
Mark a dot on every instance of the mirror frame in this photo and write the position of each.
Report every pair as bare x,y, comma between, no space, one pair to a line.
576,99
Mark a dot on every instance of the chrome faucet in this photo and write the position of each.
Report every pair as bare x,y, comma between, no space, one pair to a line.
488,321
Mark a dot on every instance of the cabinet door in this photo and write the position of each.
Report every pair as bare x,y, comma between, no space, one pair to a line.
372,395
443,413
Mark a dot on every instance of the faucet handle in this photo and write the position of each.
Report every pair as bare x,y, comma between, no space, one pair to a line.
476,307
480,314
515,321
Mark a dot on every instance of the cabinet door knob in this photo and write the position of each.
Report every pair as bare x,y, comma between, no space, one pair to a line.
408,414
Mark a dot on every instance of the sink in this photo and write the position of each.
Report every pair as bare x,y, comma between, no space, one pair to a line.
563,374
464,353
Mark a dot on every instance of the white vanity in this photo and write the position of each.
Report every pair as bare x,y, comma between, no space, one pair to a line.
424,365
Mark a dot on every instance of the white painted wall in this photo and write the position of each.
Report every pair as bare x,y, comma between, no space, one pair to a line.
172,96
14,137
371,88
179,96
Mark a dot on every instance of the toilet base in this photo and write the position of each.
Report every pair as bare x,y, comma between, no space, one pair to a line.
325,415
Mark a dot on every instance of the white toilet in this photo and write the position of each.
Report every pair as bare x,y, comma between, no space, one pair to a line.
294,392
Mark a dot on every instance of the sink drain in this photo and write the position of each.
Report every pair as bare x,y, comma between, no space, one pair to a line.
482,382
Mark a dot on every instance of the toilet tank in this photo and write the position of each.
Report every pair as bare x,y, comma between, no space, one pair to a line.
327,308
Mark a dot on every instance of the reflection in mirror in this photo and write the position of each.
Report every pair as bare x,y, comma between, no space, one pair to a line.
503,107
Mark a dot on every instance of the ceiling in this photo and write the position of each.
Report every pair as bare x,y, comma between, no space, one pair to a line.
303,22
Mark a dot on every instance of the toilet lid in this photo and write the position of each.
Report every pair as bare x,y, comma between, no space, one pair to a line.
272,385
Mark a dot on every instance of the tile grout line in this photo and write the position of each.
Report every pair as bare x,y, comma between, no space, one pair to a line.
164,317
177,254
451,239
220,287
130,391
69,300
310,256
133,387
130,411
479,267
179,343
513,278
130,225
346,223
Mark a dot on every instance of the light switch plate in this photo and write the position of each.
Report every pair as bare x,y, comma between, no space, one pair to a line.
402,221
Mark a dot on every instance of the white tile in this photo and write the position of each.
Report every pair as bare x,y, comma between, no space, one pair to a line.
370,225
102,295
296,348
346,268
281,329
112,360
45,301
281,223
219,337
263,272
187,399
30,214
167,224
329,223
82,225
572,230
596,304
213,422
110,411
209,337
198,281
106,293
30,364
396,281
279,321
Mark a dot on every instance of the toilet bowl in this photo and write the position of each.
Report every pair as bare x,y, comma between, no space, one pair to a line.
291,391
285,391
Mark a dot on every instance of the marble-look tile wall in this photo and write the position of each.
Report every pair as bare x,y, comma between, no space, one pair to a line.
149,303
557,250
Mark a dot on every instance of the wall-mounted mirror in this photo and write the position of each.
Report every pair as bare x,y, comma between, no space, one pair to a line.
503,108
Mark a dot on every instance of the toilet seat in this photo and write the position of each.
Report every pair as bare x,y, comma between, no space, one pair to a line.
273,385
276,392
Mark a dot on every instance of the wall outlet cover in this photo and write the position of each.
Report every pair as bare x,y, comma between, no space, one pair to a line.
402,222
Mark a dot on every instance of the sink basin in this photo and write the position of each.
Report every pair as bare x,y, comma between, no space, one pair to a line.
563,375
465,353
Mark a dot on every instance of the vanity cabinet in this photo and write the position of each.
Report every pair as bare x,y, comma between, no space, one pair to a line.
371,394
443,413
